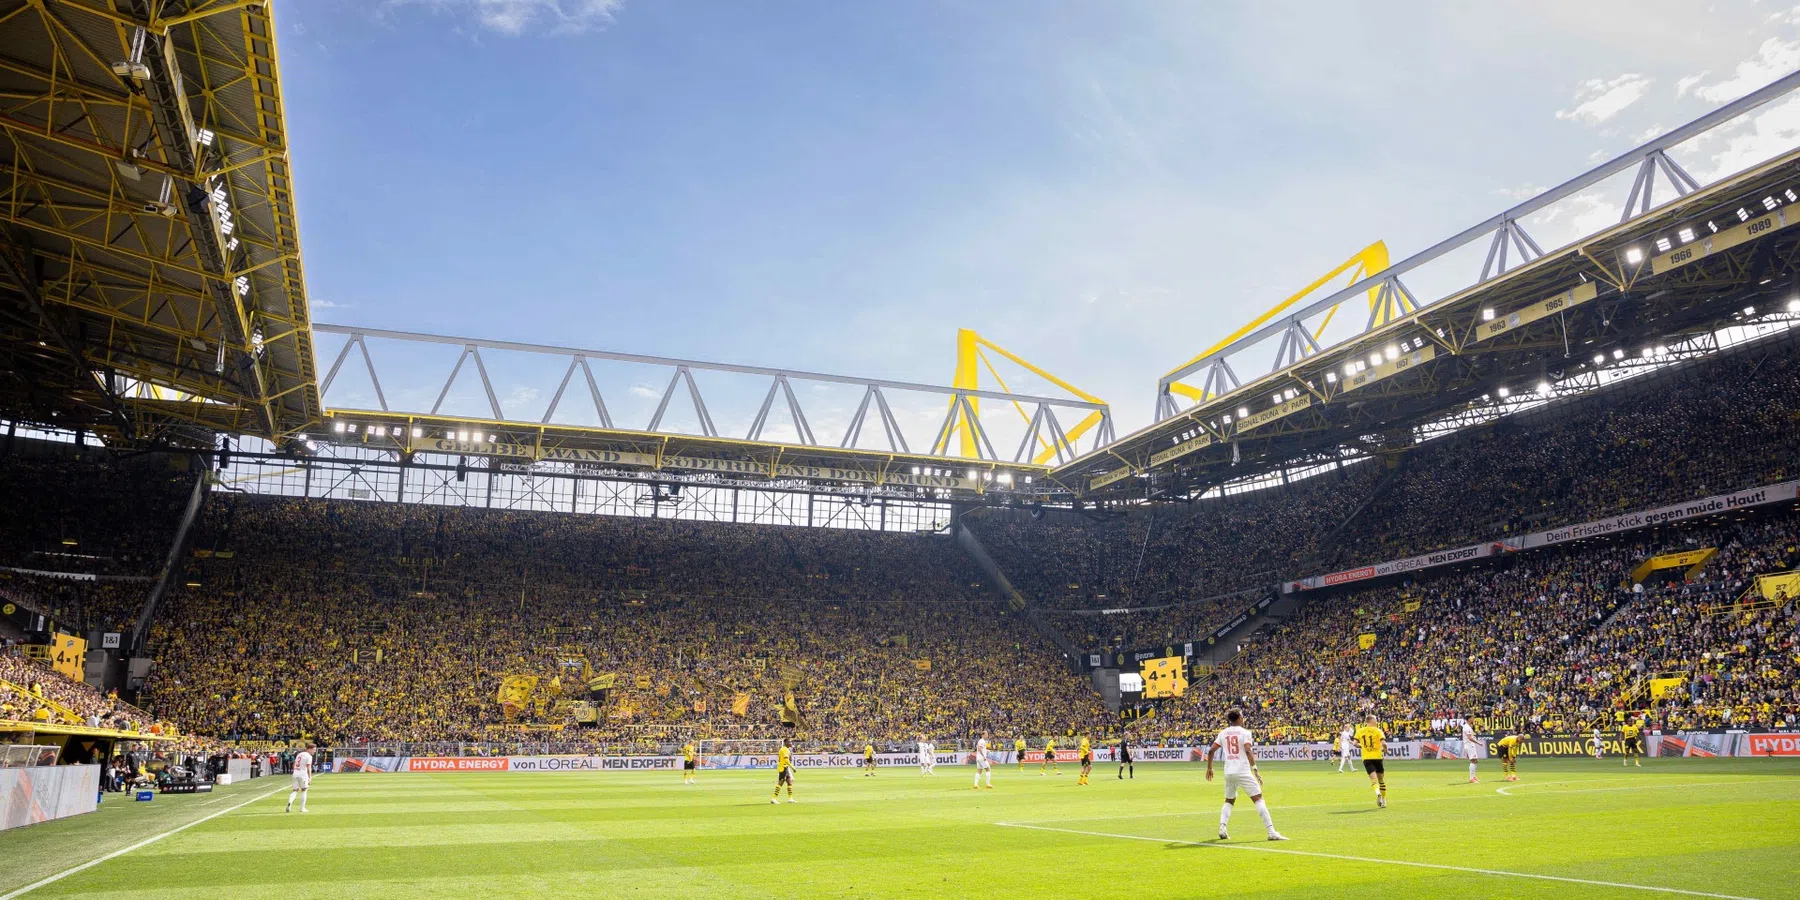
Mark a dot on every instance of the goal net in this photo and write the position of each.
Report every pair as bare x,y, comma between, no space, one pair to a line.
717,750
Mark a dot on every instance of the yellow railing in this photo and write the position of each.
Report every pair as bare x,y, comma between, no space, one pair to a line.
71,717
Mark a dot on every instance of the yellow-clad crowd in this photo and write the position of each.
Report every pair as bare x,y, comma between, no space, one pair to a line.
361,622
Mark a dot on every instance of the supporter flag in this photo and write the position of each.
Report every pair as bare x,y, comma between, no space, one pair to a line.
923,665
515,693
1365,640
740,705
790,712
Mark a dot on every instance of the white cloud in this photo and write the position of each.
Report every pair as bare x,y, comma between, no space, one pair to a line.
1773,59
646,391
327,304
516,17
1769,131
1600,99
1687,83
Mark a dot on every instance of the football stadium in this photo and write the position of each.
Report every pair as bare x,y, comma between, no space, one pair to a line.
541,612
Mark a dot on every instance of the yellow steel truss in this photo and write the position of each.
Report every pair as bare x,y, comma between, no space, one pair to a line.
971,358
1361,264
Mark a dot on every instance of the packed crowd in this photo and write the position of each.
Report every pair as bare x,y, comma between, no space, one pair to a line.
1606,455
1169,554
1146,628
1627,448
1550,641
381,623
34,692
99,514
109,604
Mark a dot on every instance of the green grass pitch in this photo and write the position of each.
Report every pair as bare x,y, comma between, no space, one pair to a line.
1570,828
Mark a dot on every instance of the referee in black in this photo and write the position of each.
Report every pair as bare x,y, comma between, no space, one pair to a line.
1125,760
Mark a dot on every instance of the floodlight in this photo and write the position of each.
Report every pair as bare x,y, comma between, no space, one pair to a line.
1634,255
1504,393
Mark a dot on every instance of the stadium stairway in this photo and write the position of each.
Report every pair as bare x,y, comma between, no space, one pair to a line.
171,564
971,545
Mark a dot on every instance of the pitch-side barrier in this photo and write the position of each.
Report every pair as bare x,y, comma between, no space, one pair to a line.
1719,743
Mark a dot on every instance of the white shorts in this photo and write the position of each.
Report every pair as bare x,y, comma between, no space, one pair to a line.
1245,781
302,782
982,762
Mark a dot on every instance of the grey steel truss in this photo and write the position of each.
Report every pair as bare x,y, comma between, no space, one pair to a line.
1504,232
963,410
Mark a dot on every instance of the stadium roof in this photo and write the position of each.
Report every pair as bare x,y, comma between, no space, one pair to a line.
151,290
150,278
1669,276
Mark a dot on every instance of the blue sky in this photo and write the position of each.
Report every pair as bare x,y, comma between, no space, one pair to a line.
1104,187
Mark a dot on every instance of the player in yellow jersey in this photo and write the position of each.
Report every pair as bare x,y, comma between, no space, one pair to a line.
688,758
1508,749
1087,760
784,771
1633,733
1019,753
1049,759
868,760
1373,743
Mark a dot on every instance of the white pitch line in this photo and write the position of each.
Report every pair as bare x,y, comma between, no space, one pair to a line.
1386,862
1504,791
1501,791
121,852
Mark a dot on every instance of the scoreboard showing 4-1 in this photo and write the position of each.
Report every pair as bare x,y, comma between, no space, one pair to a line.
1164,677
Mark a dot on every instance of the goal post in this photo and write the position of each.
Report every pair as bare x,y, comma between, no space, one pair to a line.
723,748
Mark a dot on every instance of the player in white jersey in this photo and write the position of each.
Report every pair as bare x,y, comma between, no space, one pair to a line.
984,767
1469,749
303,766
1599,745
924,755
1346,749
1240,772
931,757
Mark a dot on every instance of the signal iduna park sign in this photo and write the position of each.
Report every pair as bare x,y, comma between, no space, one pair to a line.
1785,492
